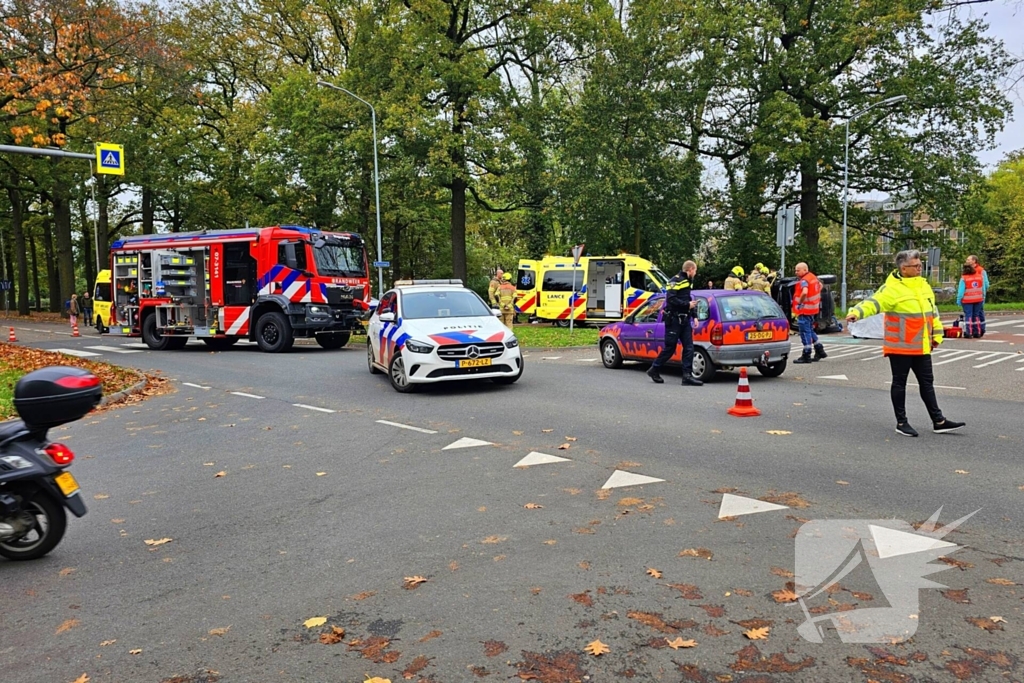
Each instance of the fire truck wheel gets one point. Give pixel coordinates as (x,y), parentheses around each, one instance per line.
(220,343)
(153,339)
(274,333)
(332,340)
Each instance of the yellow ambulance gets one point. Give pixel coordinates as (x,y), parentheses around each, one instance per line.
(101,298)
(601,289)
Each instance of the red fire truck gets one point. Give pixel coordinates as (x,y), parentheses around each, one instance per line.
(270,285)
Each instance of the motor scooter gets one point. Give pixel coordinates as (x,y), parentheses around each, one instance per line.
(35,486)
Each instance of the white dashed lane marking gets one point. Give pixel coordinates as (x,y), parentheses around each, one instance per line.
(197,386)
(316,408)
(242,393)
(402,426)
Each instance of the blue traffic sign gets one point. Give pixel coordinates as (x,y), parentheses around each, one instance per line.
(5,285)
(382,264)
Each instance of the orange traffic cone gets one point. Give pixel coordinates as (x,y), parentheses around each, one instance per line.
(744,404)
(11,337)
(74,330)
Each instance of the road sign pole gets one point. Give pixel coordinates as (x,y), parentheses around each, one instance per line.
(572,300)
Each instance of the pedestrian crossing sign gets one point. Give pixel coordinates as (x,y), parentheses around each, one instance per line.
(109,158)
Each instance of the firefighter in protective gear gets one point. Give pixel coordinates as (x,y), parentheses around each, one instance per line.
(507,300)
(492,288)
(806,305)
(679,306)
(912,330)
(735,280)
(757,281)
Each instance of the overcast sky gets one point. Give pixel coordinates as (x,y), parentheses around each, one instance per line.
(1006,22)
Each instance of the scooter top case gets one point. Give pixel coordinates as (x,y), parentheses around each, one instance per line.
(56,395)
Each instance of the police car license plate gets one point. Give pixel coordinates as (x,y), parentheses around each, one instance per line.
(66,483)
(760,336)
(473,363)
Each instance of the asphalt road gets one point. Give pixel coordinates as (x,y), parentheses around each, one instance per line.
(324,514)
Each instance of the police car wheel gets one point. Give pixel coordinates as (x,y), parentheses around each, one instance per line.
(369,359)
(610,355)
(399,379)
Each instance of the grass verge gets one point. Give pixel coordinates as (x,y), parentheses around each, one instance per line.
(550,337)
(15,361)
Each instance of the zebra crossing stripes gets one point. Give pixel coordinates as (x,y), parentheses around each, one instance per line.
(982,358)
(113,349)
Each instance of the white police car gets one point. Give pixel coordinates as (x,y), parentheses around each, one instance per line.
(436,331)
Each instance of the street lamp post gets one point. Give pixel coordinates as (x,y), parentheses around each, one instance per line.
(376,178)
(846,180)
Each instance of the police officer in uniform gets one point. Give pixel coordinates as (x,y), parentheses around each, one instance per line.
(678,309)
(507,300)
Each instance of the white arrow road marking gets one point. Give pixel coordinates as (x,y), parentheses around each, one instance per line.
(402,426)
(536,458)
(890,542)
(466,442)
(620,479)
(734,506)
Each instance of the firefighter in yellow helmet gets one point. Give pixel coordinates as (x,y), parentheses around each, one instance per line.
(507,300)
(758,280)
(735,280)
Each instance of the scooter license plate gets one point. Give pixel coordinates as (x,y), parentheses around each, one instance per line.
(473,363)
(66,483)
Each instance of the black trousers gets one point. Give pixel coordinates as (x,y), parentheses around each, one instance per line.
(922,366)
(677,328)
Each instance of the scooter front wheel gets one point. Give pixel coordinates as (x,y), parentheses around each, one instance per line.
(50,522)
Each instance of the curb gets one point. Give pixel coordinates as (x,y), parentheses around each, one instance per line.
(123,395)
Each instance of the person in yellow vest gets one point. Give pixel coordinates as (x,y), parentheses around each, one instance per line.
(757,279)
(735,279)
(492,288)
(507,300)
(806,305)
(912,329)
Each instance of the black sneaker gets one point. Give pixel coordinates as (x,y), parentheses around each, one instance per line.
(947,426)
(906,430)
(654,375)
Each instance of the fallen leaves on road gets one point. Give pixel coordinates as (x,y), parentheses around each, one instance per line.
(377,679)
(998,620)
(101,496)
(785,595)
(651,571)
(84,678)
(362,596)
(679,642)
(657,622)
(105,643)
(570,438)
(750,659)
(784,573)
(778,432)
(533,506)
(986,624)
(332,637)
(415,666)
(1001,582)
(373,648)
(66,571)
(787,498)
(842,483)
(758,633)
(697,552)
(573,492)
(453,566)
(713,611)
(430,636)
(688,591)
(219,631)
(597,648)
(516,433)
(320,474)
(961,471)
(67,625)
(565,447)
(491,540)
(493,648)
(959,564)
(959,596)
(744,592)
(313,622)
(412,582)
(583,598)
(137,651)
(754,623)
(222,473)
(547,431)
(156,542)
(562,666)
(630,502)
